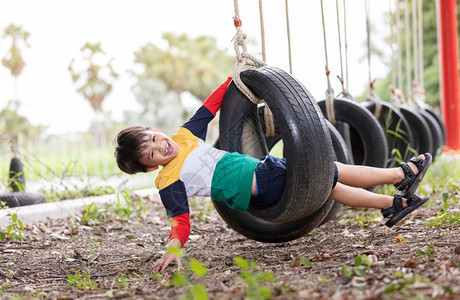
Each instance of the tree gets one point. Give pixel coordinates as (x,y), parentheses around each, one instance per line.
(194,65)
(94,82)
(13,58)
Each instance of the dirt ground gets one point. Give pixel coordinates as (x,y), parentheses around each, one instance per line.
(109,254)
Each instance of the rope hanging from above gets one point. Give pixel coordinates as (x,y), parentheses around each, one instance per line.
(345,92)
(371,95)
(330,113)
(288,36)
(243,60)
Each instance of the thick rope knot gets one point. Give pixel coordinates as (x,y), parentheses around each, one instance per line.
(345,92)
(237,21)
(243,61)
(373,97)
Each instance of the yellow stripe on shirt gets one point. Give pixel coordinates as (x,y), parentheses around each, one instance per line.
(171,172)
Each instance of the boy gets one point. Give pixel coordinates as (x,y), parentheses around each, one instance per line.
(193,168)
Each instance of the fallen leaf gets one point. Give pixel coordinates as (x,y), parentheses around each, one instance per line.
(413,262)
(457,250)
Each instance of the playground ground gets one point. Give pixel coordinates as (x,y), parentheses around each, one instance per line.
(108,253)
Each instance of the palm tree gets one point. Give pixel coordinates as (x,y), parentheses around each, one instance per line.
(13,58)
(93,82)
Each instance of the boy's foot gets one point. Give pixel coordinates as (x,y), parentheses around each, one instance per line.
(414,171)
(398,212)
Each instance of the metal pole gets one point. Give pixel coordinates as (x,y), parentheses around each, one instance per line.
(449,72)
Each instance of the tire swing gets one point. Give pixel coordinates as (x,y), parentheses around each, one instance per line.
(395,126)
(252,144)
(18,196)
(359,128)
(397,131)
(306,139)
(436,132)
(248,141)
(342,155)
(422,133)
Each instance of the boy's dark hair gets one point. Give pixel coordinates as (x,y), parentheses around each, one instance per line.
(129,144)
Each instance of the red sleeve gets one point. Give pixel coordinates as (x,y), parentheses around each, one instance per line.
(180,228)
(214,100)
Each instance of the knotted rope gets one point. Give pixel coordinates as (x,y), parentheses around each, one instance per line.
(243,60)
(330,113)
(345,92)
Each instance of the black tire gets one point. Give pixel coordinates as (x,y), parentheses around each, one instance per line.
(22,199)
(307,142)
(436,132)
(17,181)
(397,132)
(438,118)
(368,142)
(342,155)
(421,132)
(256,228)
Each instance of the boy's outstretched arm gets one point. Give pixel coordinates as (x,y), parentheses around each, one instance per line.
(214,101)
(198,124)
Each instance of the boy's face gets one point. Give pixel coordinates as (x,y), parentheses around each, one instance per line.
(160,150)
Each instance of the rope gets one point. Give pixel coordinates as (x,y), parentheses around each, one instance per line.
(330,114)
(262,30)
(394,99)
(243,60)
(345,92)
(419,91)
(408,54)
(420,42)
(288,36)
(346,42)
(398,35)
(415,42)
(371,95)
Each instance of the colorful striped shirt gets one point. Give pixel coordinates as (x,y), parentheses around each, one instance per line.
(202,170)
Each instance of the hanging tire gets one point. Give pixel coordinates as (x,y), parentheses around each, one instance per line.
(397,132)
(421,132)
(438,118)
(307,142)
(256,228)
(22,199)
(342,155)
(16,182)
(368,142)
(436,132)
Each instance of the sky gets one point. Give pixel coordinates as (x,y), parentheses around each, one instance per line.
(58,29)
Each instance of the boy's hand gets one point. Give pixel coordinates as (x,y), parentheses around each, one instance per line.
(170,256)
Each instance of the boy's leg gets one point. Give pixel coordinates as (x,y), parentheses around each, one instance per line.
(358,197)
(365,176)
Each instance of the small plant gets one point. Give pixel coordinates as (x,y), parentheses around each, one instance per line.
(361,267)
(366,220)
(402,285)
(81,281)
(445,217)
(14,230)
(192,291)
(254,278)
(429,251)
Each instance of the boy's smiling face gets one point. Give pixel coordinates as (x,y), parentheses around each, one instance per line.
(160,150)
